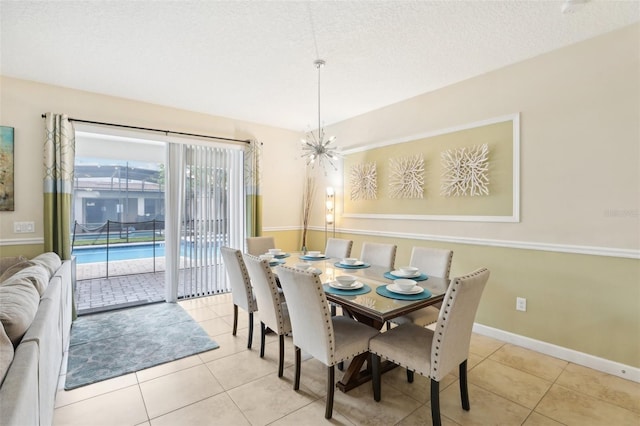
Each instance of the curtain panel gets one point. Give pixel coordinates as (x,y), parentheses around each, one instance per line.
(59,158)
(252,179)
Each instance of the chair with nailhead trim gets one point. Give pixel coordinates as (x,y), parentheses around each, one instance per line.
(338,248)
(435,263)
(273,308)
(379,254)
(328,339)
(435,353)
(241,289)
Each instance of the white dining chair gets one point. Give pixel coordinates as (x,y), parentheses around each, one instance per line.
(241,290)
(273,308)
(379,254)
(435,354)
(260,245)
(433,262)
(328,339)
(338,248)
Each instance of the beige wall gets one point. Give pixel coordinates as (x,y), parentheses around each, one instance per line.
(580,129)
(22,103)
(580,186)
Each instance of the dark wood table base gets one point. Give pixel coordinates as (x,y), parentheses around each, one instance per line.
(355,374)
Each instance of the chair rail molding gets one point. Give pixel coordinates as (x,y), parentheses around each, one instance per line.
(526,245)
(21,241)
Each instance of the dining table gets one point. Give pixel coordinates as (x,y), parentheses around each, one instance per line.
(370,301)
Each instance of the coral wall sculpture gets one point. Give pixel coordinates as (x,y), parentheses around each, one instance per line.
(406,178)
(465,171)
(364,181)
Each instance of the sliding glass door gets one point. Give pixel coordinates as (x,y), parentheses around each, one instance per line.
(151,213)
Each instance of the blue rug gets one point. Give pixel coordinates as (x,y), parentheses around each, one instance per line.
(110,344)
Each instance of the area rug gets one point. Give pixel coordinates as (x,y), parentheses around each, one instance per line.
(110,344)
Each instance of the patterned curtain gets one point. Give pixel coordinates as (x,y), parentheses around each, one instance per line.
(252,178)
(59,157)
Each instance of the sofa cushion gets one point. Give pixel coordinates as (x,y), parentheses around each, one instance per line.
(36,273)
(19,300)
(6,353)
(16,267)
(8,262)
(49,260)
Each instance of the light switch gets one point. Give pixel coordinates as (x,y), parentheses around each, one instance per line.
(24,227)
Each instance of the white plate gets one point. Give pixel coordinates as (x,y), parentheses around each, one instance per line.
(415,290)
(399,273)
(357,263)
(356,285)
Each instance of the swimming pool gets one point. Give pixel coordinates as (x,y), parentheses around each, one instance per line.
(89,254)
(93,254)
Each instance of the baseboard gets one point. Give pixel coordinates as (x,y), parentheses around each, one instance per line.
(580,358)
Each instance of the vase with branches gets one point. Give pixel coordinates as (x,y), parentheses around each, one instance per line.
(308,193)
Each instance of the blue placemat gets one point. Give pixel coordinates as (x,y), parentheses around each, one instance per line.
(382,291)
(277,262)
(390,276)
(282,256)
(363,290)
(340,265)
(303,257)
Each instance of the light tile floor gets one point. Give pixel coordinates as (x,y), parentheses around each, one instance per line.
(508,385)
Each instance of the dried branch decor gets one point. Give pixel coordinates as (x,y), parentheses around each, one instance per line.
(307,202)
(364,181)
(465,171)
(406,178)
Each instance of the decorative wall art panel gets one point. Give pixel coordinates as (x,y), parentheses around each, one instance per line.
(364,181)
(406,179)
(7,198)
(466,173)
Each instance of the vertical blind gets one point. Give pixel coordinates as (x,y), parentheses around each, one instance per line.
(208,213)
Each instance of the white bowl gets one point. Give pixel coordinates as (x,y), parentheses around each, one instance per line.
(313,253)
(345,280)
(349,260)
(275,251)
(409,270)
(266,256)
(404,284)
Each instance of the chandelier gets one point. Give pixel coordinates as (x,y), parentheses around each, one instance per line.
(314,146)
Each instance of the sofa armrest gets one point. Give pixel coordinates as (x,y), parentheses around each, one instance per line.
(19,391)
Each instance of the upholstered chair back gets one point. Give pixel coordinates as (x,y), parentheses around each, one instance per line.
(379,254)
(450,345)
(432,261)
(241,290)
(269,299)
(338,248)
(309,311)
(260,245)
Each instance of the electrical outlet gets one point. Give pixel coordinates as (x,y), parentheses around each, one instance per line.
(521,304)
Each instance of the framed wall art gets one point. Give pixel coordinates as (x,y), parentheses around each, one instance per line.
(7,198)
(465,173)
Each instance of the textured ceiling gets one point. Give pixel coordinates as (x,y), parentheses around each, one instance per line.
(254,60)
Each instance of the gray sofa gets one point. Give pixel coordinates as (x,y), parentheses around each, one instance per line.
(36,311)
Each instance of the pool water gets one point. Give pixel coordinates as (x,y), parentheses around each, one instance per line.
(120,252)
